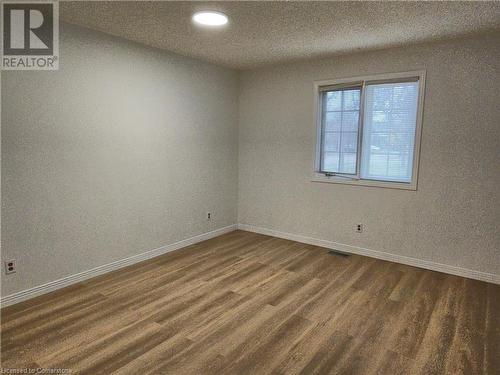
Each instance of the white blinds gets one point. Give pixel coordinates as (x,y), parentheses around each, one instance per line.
(390,112)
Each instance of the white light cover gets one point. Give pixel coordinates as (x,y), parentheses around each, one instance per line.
(210,18)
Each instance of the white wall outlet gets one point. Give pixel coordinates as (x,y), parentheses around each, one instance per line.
(359,228)
(10,266)
(209,216)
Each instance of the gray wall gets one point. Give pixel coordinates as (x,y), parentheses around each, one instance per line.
(126,148)
(121,151)
(451,219)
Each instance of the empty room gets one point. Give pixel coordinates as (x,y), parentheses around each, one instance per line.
(250,187)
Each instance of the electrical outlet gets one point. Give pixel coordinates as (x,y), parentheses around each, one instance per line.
(359,228)
(209,216)
(10,266)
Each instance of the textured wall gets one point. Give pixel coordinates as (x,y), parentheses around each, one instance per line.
(122,150)
(125,148)
(453,216)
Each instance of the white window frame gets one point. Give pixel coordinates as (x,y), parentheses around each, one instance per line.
(356,180)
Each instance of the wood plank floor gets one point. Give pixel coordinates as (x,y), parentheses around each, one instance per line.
(245,303)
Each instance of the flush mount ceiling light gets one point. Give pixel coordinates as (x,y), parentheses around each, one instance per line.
(210,18)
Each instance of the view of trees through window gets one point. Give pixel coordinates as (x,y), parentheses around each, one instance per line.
(340,136)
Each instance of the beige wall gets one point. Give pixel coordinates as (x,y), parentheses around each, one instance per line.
(453,216)
(121,151)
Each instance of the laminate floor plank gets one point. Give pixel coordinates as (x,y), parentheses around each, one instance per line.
(246,303)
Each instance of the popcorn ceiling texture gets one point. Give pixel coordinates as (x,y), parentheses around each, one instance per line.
(268,32)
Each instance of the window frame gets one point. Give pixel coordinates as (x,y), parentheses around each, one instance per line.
(338,178)
(329,88)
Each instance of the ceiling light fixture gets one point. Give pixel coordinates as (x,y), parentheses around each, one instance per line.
(210,18)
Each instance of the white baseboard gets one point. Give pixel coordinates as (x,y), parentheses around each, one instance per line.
(72,279)
(458,271)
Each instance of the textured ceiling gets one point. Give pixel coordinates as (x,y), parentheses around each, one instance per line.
(262,33)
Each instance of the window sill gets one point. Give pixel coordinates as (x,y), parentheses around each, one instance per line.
(318,177)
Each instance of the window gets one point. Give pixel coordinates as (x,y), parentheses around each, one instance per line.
(340,129)
(369,130)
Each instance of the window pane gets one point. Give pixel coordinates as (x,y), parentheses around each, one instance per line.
(349,142)
(390,115)
(348,162)
(333,121)
(332,141)
(330,161)
(340,130)
(334,100)
(351,99)
(350,121)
